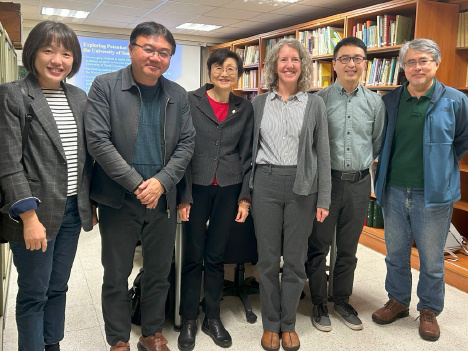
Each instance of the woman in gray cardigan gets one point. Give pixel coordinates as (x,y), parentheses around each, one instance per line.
(218,180)
(291,184)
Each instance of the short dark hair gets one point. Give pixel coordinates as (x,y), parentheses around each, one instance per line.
(152,29)
(43,34)
(350,41)
(220,55)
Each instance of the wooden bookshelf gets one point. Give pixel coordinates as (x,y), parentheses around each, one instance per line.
(425,16)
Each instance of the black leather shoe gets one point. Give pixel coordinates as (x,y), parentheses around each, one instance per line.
(52,347)
(188,331)
(215,329)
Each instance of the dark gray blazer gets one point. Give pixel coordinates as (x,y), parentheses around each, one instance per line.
(222,149)
(43,172)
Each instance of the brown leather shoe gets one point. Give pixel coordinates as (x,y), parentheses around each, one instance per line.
(290,341)
(121,346)
(270,341)
(428,327)
(156,342)
(390,312)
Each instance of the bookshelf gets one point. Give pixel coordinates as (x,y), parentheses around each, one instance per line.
(424,16)
(8,72)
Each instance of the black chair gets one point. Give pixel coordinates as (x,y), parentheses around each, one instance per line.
(241,249)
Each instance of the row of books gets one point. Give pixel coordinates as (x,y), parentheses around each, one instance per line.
(386,30)
(321,41)
(381,72)
(269,43)
(250,95)
(249,55)
(374,215)
(248,80)
(462,33)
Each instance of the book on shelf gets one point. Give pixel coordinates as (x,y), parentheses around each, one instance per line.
(387,29)
(321,74)
(403,29)
(241,53)
(250,95)
(462,31)
(383,31)
(381,72)
(248,80)
(269,43)
(321,41)
(251,55)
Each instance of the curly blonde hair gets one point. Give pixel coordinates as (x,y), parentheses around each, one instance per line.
(271,63)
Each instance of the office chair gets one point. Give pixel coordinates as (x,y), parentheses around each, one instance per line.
(241,249)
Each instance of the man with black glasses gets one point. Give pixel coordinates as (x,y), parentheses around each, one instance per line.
(139,130)
(355,123)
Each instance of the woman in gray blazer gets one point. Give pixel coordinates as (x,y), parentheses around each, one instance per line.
(45,186)
(216,182)
(291,184)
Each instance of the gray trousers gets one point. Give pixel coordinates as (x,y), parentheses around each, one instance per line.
(283,222)
(120,230)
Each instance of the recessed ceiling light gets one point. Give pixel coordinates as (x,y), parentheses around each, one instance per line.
(50,11)
(198,26)
(287,0)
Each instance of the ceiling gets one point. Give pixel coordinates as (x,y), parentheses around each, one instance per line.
(239,18)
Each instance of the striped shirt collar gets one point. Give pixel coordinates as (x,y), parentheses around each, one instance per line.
(342,91)
(300,96)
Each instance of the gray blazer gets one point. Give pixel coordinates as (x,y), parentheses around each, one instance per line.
(313,157)
(222,149)
(41,171)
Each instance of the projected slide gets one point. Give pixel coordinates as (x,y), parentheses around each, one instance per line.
(102,55)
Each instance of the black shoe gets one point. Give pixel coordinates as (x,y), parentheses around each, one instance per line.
(52,347)
(188,331)
(215,329)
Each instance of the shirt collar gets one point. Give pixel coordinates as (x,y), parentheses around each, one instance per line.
(300,96)
(342,91)
(406,96)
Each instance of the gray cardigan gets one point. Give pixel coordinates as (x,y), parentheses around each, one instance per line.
(313,158)
(222,149)
(41,170)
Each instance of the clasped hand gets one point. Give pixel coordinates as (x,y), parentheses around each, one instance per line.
(149,192)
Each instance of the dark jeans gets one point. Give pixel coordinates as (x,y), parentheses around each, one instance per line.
(42,284)
(206,246)
(348,209)
(120,231)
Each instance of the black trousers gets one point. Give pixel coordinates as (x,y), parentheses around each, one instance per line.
(348,210)
(120,230)
(205,246)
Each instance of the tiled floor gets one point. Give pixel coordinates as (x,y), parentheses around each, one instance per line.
(85,330)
